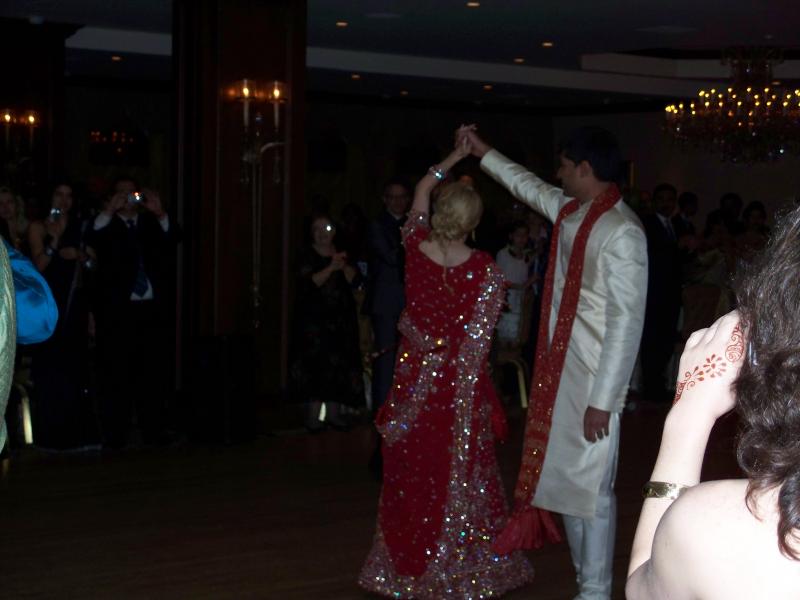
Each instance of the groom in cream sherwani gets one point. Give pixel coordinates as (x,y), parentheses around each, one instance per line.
(579,468)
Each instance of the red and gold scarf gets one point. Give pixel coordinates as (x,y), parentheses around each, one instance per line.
(529,526)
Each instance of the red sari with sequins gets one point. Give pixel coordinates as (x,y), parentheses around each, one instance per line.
(442,502)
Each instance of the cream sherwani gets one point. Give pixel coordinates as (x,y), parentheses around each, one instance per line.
(604,341)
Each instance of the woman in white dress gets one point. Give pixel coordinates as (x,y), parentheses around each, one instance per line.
(515,261)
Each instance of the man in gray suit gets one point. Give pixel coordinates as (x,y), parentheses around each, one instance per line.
(385,295)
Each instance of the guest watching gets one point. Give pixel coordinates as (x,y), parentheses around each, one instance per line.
(756,232)
(135,240)
(385,295)
(515,261)
(682,222)
(730,207)
(735,539)
(13,224)
(663,292)
(326,367)
(62,413)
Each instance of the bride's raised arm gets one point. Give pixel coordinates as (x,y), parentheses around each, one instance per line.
(436,174)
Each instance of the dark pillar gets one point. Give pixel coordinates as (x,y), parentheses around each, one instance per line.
(218,42)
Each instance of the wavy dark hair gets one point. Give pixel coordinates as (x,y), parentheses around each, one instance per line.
(768,386)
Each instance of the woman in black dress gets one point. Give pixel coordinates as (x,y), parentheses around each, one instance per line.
(62,412)
(327,361)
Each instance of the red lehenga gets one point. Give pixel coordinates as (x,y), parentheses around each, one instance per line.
(442,503)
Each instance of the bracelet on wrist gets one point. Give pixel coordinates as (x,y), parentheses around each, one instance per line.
(663,489)
(437,172)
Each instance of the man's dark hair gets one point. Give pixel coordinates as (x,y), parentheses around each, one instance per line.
(55,183)
(664,187)
(395,181)
(768,385)
(519,224)
(754,206)
(728,198)
(119,179)
(596,146)
(688,199)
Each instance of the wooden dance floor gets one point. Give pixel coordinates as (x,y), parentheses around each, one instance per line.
(287,517)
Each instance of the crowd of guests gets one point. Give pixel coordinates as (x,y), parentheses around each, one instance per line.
(104,375)
(690,273)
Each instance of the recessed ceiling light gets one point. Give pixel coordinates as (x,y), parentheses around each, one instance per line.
(519,60)
(116,58)
(487,87)
(384,15)
(355,76)
(667,29)
(404,92)
(473,4)
(547,44)
(342,23)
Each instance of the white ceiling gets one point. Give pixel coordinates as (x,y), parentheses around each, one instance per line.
(442,48)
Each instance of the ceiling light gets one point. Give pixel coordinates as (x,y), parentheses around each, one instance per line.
(473,4)
(519,60)
(487,87)
(116,58)
(355,76)
(547,44)
(738,122)
(342,23)
(404,92)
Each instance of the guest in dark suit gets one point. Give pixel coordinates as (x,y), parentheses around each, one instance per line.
(385,295)
(682,222)
(663,292)
(135,241)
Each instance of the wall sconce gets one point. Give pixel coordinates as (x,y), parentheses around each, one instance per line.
(12,119)
(31,120)
(253,96)
(8,118)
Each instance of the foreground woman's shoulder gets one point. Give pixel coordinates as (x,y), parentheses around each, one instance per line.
(721,548)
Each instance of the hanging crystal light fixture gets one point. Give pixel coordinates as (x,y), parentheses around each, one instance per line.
(749,120)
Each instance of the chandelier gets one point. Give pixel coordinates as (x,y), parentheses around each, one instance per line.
(751,119)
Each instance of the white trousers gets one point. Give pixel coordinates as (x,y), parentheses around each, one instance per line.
(591,541)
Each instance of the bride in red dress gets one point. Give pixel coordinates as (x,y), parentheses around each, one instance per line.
(442,503)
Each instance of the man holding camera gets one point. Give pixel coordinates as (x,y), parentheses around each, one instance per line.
(134,306)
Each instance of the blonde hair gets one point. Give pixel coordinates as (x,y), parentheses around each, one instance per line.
(456,212)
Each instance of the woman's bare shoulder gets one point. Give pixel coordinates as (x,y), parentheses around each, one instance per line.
(724,549)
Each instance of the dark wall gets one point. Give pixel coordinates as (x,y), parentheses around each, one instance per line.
(146,113)
(353,148)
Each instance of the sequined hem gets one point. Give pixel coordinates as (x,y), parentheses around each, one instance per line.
(491,579)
